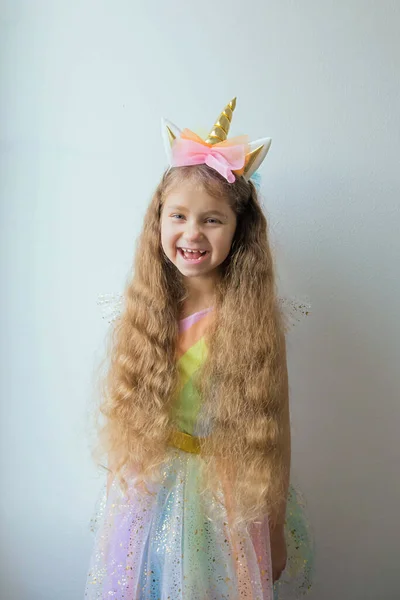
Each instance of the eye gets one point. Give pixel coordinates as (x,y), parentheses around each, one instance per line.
(212,219)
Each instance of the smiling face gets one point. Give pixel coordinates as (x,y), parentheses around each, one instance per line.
(191,219)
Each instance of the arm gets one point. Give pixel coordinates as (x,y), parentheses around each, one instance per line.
(286,431)
(278,544)
(110,479)
(111,471)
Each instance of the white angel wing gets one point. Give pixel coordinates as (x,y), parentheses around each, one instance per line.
(294,309)
(111,306)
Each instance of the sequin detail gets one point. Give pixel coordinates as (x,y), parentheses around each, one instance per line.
(175,543)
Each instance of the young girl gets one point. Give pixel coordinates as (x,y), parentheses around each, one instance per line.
(195,399)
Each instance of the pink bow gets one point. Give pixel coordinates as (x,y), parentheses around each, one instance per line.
(224,157)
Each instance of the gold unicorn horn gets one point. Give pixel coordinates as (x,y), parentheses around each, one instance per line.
(220,131)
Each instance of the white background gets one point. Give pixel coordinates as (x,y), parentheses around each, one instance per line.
(83,87)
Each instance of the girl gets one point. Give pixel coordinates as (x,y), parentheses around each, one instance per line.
(195,400)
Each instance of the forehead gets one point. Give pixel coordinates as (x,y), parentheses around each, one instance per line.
(193,196)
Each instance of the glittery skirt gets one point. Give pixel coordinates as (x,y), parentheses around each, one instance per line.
(175,544)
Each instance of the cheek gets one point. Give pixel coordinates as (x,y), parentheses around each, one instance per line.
(167,236)
(164,237)
(224,243)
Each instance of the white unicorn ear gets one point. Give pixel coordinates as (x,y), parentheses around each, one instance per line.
(169,133)
(254,158)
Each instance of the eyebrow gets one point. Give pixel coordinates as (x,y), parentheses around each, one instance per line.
(213,211)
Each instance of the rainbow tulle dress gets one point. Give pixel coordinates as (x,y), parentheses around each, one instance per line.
(174,544)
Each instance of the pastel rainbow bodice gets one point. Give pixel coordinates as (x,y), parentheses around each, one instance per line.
(191,353)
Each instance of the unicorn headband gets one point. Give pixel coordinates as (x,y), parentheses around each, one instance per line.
(236,156)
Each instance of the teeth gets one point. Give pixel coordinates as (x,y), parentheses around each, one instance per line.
(187,250)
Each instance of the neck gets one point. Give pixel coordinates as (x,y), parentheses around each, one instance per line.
(200,294)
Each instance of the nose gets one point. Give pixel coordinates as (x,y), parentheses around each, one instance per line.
(193,231)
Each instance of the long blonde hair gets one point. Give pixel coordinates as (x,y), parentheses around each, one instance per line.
(241,380)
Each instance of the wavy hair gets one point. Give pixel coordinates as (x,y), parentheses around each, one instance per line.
(243,379)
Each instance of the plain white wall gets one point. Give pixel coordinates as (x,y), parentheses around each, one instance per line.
(83,87)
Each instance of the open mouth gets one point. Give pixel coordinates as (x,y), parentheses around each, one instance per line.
(194,256)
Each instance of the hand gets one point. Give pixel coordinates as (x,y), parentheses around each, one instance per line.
(278,552)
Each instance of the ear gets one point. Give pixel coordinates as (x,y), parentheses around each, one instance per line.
(169,133)
(254,158)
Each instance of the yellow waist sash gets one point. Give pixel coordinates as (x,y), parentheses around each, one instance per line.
(185,441)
